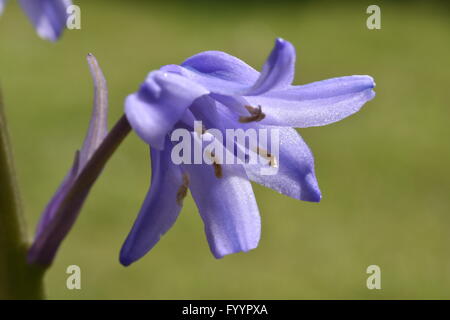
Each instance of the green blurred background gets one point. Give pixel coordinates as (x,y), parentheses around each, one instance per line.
(384,172)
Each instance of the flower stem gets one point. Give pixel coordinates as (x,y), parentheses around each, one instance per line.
(18,280)
(45,246)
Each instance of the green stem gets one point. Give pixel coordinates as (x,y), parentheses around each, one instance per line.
(18,280)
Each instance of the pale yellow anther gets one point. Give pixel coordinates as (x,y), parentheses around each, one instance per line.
(273,162)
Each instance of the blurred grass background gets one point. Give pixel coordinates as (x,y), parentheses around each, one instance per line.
(384,172)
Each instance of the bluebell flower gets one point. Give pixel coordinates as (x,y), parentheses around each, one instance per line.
(224,92)
(47,16)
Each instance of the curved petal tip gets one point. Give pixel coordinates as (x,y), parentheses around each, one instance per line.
(221,254)
(367,80)
(125,259)
(278,70)
(48,17)
(312,191)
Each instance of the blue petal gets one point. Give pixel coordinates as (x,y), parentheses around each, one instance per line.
(223,66)
(48,16)
(210,82)
(233,103)
(278,71)
(223,74)
(204,109)
(2,5)
(295,176)
(159,104)
(315,104)
(227,206)
(160,209)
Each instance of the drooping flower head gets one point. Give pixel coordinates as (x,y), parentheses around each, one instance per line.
(47,16)
(225,93)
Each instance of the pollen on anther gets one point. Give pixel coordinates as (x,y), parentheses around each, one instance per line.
(268,156)
(256,114)
(273,162)
(217,170)
(217,167)
(183,189)
(200,130)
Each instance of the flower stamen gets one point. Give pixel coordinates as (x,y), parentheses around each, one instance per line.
(217,167)
(217,170)
(200,130)
(273,162)
(183,189)
(256,114)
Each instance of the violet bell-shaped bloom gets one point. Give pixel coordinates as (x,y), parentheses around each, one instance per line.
(224,92)
(49,17)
